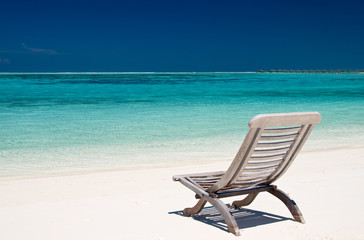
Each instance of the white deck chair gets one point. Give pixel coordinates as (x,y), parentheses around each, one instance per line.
(271,145)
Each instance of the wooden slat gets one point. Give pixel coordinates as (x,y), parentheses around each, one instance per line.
(261,168)
(282,130)
(205,186)
(251,178)
(205,178)
(284,119)
(270,151)
(278,137)
(202,175)
(263,163)
(274,144)
(240,186)
(251,175)
(206,181)
(251,181)
(266,157)
(206,175)
(243,185)
(255,178)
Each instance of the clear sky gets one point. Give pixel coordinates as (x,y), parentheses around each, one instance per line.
(156,35)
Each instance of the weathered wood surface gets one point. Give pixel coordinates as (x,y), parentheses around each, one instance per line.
(195,209)
(274,144)
(278,137)
(271,151)
(291,205)
(245,202)
(282,130)
(259,158)
(284,119)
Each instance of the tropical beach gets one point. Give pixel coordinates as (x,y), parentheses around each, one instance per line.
(181,120)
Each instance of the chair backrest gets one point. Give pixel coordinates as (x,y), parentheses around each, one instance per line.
(272,143)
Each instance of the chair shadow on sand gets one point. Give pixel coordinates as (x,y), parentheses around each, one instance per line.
(245,218)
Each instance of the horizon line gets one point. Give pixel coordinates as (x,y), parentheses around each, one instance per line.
(197,72)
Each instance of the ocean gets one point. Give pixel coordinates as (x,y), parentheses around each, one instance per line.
(61,123)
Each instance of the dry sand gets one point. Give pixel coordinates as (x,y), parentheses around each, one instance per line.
(139,204)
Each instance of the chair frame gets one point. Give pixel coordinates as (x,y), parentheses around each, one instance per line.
(269,148)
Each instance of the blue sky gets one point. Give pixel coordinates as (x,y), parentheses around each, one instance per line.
(231,35)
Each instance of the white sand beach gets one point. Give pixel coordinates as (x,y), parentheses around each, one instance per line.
(140,204)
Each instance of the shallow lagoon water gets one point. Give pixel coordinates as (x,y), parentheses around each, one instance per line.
(61,123)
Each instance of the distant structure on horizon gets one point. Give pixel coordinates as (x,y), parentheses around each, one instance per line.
(315,71)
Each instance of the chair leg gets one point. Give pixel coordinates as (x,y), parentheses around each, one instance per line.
(225,213)
(245,202)
(195,209)
(292,206)
(221,207)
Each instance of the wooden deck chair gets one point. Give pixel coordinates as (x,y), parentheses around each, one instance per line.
(269,148)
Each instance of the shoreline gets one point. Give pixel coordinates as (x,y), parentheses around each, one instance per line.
(164,165)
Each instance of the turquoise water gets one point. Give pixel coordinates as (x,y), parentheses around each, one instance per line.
(60,123)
